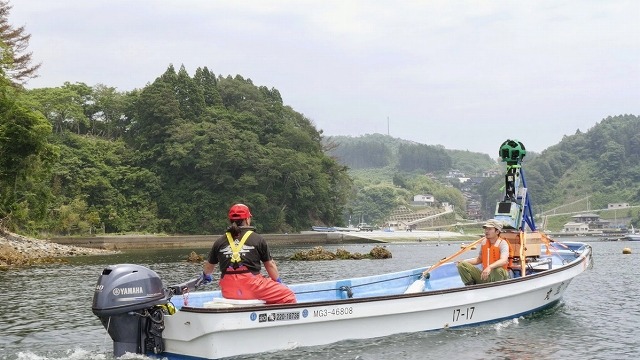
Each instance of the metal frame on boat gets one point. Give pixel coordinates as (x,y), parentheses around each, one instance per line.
(142,316)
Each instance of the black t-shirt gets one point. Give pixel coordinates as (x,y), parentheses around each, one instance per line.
(253,251)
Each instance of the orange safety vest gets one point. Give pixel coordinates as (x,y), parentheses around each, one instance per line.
(491,254)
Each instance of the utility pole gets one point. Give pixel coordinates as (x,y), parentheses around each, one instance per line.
(388,126)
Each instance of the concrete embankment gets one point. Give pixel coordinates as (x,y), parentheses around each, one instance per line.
(120,242)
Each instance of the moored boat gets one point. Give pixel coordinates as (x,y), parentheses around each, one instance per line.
(324,228)
(142,316)
(632,237)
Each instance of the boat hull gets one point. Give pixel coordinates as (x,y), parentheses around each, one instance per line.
(207,333)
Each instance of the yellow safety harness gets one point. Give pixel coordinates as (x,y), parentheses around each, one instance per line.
(235,249)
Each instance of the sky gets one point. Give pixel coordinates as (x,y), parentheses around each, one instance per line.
(466,75)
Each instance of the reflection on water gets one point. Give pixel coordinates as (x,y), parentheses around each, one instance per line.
(46,312)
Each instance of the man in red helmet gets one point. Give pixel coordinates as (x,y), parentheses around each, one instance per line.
(239,253)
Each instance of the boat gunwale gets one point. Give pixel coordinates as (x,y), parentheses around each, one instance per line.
(252,308)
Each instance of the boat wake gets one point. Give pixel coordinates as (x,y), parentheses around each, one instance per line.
(76,354)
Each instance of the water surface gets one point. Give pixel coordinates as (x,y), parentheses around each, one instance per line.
(46,311)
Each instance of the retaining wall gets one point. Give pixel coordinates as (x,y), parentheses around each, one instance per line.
(201,241)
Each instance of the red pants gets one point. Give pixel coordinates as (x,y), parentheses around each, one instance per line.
(248,286)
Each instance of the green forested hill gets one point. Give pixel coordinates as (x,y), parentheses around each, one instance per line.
(602,163)
(171,157)
(389,172)
(380,151)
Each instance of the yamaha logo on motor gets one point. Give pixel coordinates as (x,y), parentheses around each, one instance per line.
(128,291)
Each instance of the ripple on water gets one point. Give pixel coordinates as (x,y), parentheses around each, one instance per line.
(46,312)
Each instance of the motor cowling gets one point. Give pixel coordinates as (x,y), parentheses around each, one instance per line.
(131,302)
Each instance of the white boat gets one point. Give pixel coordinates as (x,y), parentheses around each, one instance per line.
(323,228)
(633,235)
(132,305)
(142,316)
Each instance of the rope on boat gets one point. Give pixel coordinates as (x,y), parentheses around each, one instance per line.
(549,241)
(348,288)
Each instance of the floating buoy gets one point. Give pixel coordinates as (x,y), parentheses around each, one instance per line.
(626,251)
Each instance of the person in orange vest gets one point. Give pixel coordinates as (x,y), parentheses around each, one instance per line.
(239,253)
(493,255)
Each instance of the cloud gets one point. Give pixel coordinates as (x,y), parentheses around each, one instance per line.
(465,74)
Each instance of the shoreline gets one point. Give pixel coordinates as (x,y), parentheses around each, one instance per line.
(120,242)
(18,250)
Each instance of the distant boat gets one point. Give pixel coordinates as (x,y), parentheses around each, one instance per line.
(633,235)
(334,228)
(323,228)
(366,227)
(346,229)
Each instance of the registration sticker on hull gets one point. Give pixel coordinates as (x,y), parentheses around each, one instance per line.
(276,316)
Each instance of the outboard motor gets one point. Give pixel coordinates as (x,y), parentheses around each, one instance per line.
(131,303)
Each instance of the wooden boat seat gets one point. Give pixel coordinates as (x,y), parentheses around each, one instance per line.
(223,302)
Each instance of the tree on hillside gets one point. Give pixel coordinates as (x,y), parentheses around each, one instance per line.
(62,106)
(212,142)
(422,157)
(190,95)
(373,204)
(24,157)
(95,180)
(109,116)
(156,111)
(208,82)
(15,61)
(363,154)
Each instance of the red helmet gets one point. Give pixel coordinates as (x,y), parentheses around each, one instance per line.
(239,212)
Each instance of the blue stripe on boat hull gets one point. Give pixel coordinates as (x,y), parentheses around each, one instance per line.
(551,304)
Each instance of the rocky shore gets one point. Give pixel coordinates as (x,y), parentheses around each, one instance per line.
(17,250)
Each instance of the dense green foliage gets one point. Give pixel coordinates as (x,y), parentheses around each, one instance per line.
(170,157)
(25,158)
